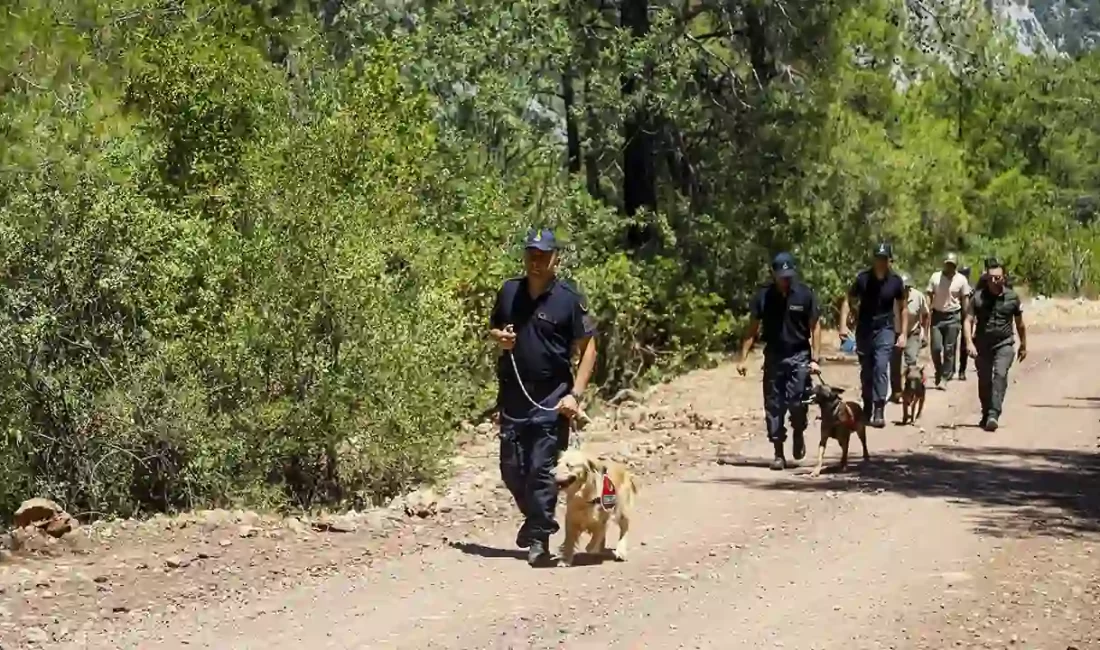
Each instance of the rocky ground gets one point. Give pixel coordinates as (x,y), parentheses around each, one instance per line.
(952,537)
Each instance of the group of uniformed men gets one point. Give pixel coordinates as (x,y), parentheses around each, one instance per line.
(542,322)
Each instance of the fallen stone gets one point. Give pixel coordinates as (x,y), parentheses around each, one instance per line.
(36,635)
(335,525)
(422,503)
(246,532)
(35,511)
(60,525)
(176,562)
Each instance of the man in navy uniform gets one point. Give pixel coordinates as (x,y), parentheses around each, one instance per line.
(540,321)
(787,311)
(882,324)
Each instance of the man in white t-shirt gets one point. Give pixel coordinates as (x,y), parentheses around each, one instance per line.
(919,322)
(948,292)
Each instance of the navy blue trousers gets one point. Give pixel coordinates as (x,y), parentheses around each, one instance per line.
(785,380)
(528,452)
(874,349)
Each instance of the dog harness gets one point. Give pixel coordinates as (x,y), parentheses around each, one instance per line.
(844,415)
(609,496)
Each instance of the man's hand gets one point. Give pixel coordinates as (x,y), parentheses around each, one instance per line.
(1021,353)
(901,341)
(505,338)
(568,406)
(741,368)
(844,333)
(815,368)
(970,350)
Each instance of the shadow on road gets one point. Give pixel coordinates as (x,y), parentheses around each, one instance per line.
(1021,492)
(489,552)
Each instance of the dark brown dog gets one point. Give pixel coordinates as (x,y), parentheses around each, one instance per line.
(839,420)
(912,394)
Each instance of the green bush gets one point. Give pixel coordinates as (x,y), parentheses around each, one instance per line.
(248,250)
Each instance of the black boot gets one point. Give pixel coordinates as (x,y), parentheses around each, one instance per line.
(991,423)
(537,555)
(779,463)
(799,445)
(878,417)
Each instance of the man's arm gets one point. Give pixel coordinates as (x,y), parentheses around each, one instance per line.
(969,323)
(498,331)
(926,319)
(815,340)
(845,309)
(846,306)
(747,341)
(815,328)
(1021,331)
(585,350)
(584,343)
(901,312)
(756,312)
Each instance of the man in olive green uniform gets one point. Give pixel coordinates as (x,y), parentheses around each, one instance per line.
(993,313)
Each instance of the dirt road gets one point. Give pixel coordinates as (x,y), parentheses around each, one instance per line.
(950,537)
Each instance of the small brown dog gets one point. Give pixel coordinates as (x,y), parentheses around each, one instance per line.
(839,420)
(595,491)
(912,394)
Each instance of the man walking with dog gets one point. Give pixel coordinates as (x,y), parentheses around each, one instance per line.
(948,291)
(882,323)
(993,313)
(917,307)
(785,313)
(540,322)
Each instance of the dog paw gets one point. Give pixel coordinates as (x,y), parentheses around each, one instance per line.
(564,562)
(618,556)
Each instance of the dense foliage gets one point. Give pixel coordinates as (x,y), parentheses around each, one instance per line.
(248,249)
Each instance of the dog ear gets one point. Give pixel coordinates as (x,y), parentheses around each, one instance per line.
(838,391)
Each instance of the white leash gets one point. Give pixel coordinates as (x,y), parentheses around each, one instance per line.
(575,422)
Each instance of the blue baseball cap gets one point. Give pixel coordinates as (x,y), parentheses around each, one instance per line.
(541,239)
(783,266)
(884,250)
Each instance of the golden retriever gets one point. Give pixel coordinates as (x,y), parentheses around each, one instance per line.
(580,477)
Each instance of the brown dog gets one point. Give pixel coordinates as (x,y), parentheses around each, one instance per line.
(912,394)
(839,420)
(595,491)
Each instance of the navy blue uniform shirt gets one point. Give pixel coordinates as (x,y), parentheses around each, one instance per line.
(786,322)
(546,328)
(876,299)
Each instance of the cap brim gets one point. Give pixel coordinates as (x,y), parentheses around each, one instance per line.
(545,247)
(786,273)
(951,262)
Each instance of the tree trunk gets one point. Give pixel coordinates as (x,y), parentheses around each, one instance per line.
(572,136)
(639,182)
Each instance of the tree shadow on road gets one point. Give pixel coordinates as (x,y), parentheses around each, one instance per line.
(1020,492)
(1080,403)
